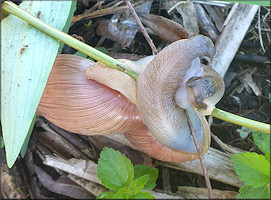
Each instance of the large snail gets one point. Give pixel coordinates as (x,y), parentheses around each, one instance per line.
(89,98)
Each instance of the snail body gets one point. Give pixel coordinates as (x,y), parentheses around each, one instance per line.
(149,111)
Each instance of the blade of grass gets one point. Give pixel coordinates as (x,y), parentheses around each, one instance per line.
(67,39)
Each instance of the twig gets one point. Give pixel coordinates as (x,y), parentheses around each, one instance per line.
(248,58)
(259,28)
(207,180)
(232,36)
(139,23)
(226,147)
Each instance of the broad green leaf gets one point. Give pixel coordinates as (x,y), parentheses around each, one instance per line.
(252,168)
(262,140)
(122,194)
(114,169)
(24,147)
(27,56)
(249,192)
(138,184)
(143,195)
(106,195)
(258,2)
(141,170)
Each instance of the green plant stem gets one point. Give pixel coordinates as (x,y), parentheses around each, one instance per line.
(235,119)
(113,63)
(67,39)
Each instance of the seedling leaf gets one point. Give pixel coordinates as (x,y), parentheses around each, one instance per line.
(249,192)
(262,140)
(138,184)
(122,194)
(143,195)
(106,195)
(252,168)
(114,169)
(141,170)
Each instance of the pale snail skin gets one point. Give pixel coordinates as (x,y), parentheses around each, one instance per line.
(166,119)
(135,92)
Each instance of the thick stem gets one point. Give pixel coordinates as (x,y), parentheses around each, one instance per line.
(113,63)
(235,119)
(67,39)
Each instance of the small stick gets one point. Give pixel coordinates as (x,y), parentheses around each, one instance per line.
(139,23)
(207,180)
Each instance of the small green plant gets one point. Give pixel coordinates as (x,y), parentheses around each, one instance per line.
(254,169)
(124,180)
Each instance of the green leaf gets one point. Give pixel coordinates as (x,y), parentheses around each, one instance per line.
(141,170)
(138,184)
(267,156)
(262,140)
(89,23)
(1,142)
(143,195)
(249,192)
(244,131)
(101,49)
(106,195)
(68,23)
(122,194)
(252,168)
(24,147)
(259,2)
(114,169)
(79,53)
(26,60)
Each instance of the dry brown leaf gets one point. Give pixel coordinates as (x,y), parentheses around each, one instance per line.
(247,80)
(166,29)
(189,15)
(206,24)
(66,189)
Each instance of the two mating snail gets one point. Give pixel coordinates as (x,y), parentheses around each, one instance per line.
(91,99)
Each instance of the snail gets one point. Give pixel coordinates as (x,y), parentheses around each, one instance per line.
(91,99)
